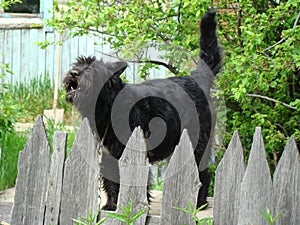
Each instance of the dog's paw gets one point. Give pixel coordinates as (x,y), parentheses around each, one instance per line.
(109,207)
(202,204)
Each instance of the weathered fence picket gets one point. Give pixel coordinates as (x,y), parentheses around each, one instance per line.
(181,184)
(257,192)
(286,183)
(81,177)
(229,175)
(256,186)
(61,191)
(134,173)
(31,185)
(56,178)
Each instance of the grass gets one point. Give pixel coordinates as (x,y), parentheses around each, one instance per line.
(36,96)
(12,144)
(268,216)
(31,98)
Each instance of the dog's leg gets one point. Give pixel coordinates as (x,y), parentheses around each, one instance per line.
(112,190)
(203,192)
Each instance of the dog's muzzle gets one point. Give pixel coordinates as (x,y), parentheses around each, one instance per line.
(71,85)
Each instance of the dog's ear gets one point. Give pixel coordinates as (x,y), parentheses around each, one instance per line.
(117,67)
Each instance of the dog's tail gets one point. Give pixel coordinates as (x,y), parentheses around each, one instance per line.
(210,51)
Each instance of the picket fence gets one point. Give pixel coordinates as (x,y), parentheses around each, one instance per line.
(53,191)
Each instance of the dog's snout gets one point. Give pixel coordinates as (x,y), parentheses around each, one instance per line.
(74,73)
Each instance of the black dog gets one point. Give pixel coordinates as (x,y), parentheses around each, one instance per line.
(115,109)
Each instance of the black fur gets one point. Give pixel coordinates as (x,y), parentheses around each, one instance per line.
(94,86)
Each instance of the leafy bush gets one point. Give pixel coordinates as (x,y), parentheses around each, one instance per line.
(261,75)
(9,111)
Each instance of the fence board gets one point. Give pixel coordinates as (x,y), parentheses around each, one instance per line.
(15,66)
(8,54)
(32,178)
(50,62)
(256,187)
(181,184)
(286,183)
(134,171)
(25,55)
(55,179)
(80,185)
(229,175)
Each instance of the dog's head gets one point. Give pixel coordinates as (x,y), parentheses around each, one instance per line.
(87,76)
(73,76)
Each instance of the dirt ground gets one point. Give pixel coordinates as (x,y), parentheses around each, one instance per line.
(7,199)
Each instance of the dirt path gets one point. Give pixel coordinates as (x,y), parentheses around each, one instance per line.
(7,199)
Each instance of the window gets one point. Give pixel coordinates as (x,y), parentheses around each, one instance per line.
(27,6)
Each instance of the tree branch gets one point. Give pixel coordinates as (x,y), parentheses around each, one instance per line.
(168,66)
(271,100)
(179,13)
(283,39)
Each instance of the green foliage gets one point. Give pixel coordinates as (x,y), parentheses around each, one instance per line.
(6,3)
(125,216)
(260,81)
(90,220)
(261,72)
(133,27)
(9,110)
(193,212)
(11,144)
(268,217)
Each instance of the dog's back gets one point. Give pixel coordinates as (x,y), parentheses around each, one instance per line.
(181,102)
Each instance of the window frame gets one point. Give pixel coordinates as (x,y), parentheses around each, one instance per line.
(4,14)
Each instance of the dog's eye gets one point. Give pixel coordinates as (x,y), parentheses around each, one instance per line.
(74,73)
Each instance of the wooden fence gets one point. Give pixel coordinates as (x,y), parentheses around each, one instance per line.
(19,49)
(240,193)
(57,190)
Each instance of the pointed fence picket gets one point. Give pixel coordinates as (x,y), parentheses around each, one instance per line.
(228,181)
(57,191)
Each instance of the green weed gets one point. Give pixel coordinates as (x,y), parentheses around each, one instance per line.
(125,215)
(268,217)
(90,220)
(193,212)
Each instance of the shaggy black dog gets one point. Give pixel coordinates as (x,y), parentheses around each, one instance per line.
(161,107)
